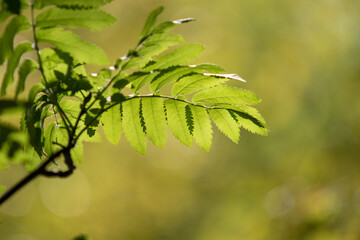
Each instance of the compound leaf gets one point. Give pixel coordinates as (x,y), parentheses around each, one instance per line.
(67,41)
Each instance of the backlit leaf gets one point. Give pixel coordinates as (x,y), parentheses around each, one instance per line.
(27,67)
(175,113)
(150,22)
(181,55)
(226,94)
(202,127)
(111,120)
(226,123)
(92,19)
(12,65)
(195,82)
(67,41)
(132,126)
(17,24)
(154,116)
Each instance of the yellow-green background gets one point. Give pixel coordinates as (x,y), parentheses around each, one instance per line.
(302,57)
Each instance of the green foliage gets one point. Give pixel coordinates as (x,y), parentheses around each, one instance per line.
(67,105)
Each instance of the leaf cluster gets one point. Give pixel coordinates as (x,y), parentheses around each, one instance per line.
(151,88)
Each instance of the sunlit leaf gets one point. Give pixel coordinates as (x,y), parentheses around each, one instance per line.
(92,19)
(226,94)
(175,113)
(226,123)
(27,67)
(111,120)
(150,22)
(17,24)
(12,65)
(202,127)
(154,116)
(181,55)
(132,125)
(67,41)
(195,82)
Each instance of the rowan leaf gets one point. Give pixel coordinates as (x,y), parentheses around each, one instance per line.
(179,56)
(226,94)
(225,123)
(154,117)
(17,24)
(111,120)
(150,22)
(66,41)
(12,65)
(175,113)
(49,138)
(132,125)
(92,19)
(26,68)
(195,82)
(174,73)
(202,132)
(71,3)
(154,45)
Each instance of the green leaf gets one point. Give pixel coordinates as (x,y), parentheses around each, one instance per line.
(225,123)
(71,108)
(143,80)
(77,152)
(181,55)
(248,118)
(67,41)
(92,19)
(150,22)
(175,113)
(132,126)
(195,82)
(49,138)
(154,116)
(71,3)
(17,24)
(173,74)
(111,120)
(36,89)
(226,94)
(12,65)
(27,67)
(168,25)
(202,127)
(154,45)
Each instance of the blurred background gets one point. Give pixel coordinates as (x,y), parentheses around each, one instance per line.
(300,182)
